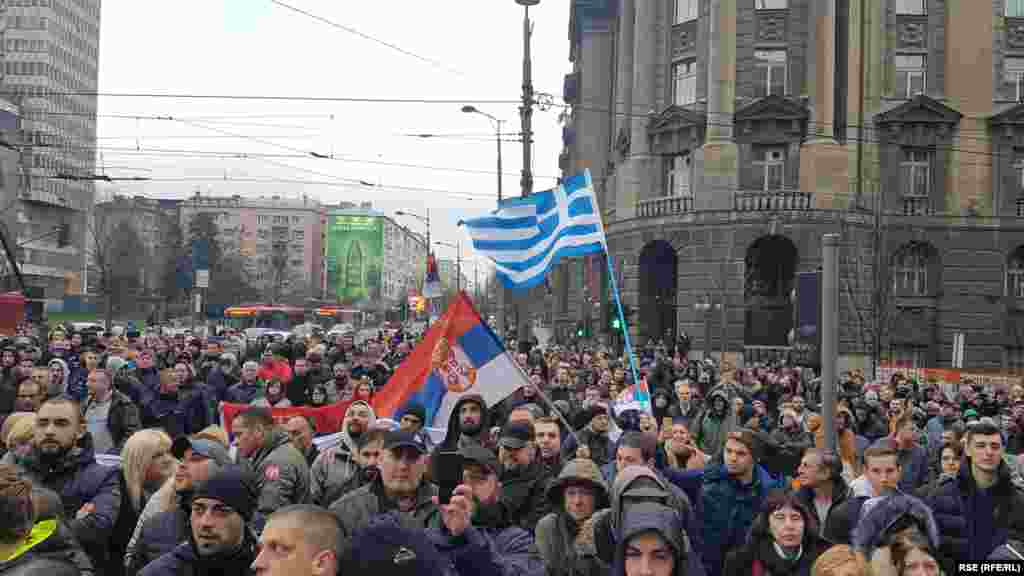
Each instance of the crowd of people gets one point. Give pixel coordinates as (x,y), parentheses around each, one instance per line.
(729,473)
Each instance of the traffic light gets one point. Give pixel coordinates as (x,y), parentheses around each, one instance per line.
(579,329)
(616,323)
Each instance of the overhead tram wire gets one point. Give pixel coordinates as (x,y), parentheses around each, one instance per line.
(350,30)
(268,98)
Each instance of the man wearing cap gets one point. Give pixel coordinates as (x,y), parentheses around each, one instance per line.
(400,488)
(473,531)
(221,540)
(524,482)
(158,532)
(593,437)
(282,469)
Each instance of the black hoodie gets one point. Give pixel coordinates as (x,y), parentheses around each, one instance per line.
(454,439)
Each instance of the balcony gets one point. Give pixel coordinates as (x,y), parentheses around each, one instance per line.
(917,206)
(772,201)
(664,206)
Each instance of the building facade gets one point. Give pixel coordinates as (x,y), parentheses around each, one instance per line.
(152,221)
(278,238)
(726,137)
(50,69)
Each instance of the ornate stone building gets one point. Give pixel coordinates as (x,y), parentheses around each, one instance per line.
(726,137)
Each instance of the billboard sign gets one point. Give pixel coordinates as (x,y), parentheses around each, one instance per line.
(355,250)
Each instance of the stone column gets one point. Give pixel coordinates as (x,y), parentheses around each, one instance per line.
(636,177)
(717,161)
(824,164)
(624,70)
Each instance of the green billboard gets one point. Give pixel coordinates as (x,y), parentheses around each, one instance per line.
(355,250)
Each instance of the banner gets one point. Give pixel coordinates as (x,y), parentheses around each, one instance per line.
(327,418)
(355,248)
(458,356)
(948,375)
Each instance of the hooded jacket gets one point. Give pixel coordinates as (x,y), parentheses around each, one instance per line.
(52,548)
(455,439)
(647,517)
(606,525)
(954,505)
(184,561)
(283,473)
(334,471)
(881,516)
(567,549)
(80,480)
(524,495)
(711,429)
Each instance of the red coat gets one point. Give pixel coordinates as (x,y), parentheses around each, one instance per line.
(278,369)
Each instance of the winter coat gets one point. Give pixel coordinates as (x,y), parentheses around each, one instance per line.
(245,393)
(648,516)
(122,418)
(566,548)
(491,547)
(914,463)
(953,505)
(602,450)
(80,480)
(728,510)
(525,496)
(331,473)
(184,561)
(741,562)
(843,518)
(58,388)
(880,514)
(51,550)
(283,473)
(710,431)
(840,492)
(606,524)
(454,438)
(355,509)
(181,413)
(159,535)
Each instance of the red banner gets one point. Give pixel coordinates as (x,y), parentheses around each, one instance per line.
(327,418)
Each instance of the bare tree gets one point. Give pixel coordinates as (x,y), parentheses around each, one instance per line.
(116,257)
(275,271)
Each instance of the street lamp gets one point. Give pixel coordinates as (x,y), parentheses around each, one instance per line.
(497,122)
(458,261)
(424,219)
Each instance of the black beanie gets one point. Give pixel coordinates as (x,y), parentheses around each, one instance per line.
(418,411)
(233,485)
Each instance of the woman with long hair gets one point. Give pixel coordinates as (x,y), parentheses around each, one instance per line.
(912,555)
(146,463)
(783,540)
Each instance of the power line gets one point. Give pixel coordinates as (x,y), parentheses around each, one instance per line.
(364,36)
(183,96)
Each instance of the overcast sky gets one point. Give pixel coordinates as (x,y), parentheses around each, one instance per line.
(259,48)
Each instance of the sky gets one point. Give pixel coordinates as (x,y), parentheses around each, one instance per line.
(462,51)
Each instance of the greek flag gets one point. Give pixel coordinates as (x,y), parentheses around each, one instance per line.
(525,237)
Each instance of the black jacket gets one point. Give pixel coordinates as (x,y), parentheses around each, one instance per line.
(525,496)
(122,419)
(54,553)
(840,493)
(184,561)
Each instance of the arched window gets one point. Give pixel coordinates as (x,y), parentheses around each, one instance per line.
(910,270)
(1015,274)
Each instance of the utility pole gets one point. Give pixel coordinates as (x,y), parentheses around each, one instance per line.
(829,335)
(526,116)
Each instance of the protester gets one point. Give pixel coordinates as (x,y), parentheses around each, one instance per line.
(651,542)
(301,430)
(110,416)
(783,540)
(299,540)
(524,482)
(564,545)
(221,538)
(283,475)
(146,464)
(822,487)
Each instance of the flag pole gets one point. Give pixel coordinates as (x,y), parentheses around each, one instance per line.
(615,290)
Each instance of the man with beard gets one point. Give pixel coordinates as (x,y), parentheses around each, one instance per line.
(548,435)
(283,475)
(160,530)
(336,466)
(792,439)
(400,488)
(468,424)
(367,464)
(302,382)
(578,493)
(338,386)
(524,482)
(473,533)
(300,430)
(685,406)
(221,540)
(62,459)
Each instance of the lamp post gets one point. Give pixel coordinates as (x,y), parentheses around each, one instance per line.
(458,261)
(426,222)
(526,117)
(497,137)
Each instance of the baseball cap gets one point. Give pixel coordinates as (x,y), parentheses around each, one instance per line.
(207,448)
(401,439)
(476,454)
(516,435)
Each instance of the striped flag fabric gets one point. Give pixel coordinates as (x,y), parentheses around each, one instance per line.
(526,237)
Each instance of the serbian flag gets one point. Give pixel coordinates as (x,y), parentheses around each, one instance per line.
(432,283)
(459,355)
(635,397)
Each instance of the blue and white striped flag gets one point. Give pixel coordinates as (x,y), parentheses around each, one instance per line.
(525,237)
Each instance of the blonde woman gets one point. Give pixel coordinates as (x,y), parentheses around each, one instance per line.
(841,560)
(19,439)
(9,423)
(146,463)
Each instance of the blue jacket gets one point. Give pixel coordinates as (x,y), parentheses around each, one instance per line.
(158,536)
(915,469)
(186,412)
(953,505)
(242,393)
(729,509)
(80,480)
(493,551)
